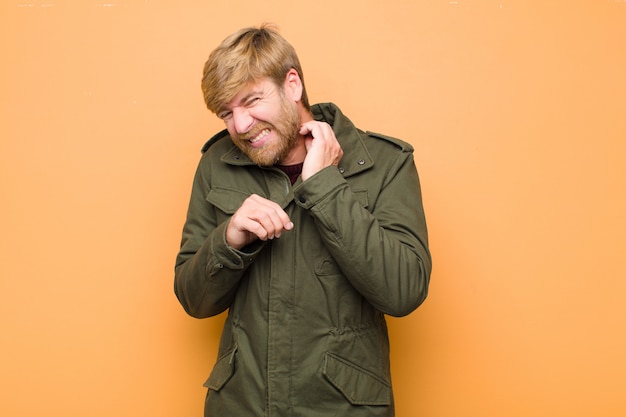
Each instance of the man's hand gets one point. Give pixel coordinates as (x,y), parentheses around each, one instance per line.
(322,147)
(257,218)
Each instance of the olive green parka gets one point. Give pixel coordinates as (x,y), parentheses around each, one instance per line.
(305,333)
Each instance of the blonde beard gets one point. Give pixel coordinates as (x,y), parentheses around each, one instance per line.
(287,131)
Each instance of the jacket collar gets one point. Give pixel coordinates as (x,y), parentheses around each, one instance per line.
(355,158)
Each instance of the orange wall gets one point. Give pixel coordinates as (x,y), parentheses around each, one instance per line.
(517,110)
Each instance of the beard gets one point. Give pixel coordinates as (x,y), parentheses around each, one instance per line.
(286,128)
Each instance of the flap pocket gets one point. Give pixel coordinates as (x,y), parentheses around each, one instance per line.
(225,199)
(327,267)
(358,385)
(222,371)
(362,197)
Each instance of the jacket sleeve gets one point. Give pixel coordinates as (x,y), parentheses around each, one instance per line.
(207,271)
(383,249)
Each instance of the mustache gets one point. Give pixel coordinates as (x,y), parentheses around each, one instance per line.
(254,132)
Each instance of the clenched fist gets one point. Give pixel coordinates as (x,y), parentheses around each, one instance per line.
(257,218)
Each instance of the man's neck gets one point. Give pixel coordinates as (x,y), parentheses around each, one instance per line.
(298,151)
(296,155)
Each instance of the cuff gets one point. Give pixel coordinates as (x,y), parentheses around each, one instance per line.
(318,187)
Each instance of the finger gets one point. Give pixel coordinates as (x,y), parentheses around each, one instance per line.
(318,130)
(269,222)
(305,128)
(271,216)
(311,127)
(314,129)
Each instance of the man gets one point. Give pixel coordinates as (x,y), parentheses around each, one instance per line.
(308,231)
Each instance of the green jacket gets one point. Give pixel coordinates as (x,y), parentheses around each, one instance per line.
(305,333)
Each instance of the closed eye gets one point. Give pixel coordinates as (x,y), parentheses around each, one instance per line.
(252,101)
(225,115)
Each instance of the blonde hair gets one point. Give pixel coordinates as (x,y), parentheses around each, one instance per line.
(248,55)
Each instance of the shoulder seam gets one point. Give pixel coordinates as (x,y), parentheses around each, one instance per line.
(404,146)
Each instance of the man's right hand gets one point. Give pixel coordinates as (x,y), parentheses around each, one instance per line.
(257,218)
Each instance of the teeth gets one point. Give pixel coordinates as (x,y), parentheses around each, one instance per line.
(260,136)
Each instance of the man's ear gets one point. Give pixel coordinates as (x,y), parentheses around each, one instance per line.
(293,85)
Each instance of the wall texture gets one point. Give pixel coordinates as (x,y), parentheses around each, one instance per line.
(517,111)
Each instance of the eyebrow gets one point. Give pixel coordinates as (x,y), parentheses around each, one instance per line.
(256,91)
(250,94)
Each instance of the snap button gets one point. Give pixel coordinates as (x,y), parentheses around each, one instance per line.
(302,199)
(342,170)
(361,161)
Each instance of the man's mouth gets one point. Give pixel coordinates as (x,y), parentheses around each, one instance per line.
(260,136)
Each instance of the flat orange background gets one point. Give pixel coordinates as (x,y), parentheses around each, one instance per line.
(517,111)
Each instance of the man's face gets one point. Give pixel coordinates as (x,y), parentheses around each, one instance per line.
(262,122)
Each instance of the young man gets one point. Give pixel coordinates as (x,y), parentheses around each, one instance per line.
(308,231)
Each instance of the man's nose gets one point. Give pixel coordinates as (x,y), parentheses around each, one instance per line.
(242,120)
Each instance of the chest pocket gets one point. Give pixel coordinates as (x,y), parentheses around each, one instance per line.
(362,197)
(226,201)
